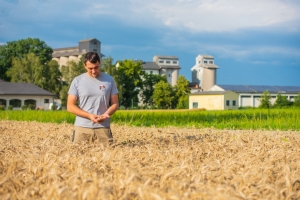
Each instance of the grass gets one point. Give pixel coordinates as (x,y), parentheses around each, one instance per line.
(274,119)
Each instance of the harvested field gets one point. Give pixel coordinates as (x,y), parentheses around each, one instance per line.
(39,161)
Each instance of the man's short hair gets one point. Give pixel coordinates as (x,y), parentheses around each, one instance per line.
(92,57)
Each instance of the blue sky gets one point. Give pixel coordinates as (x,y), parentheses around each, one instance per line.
(254,42)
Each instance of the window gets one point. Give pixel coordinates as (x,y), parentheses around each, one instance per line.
(95,50)
(227,103)
(151,72)
(161,61)
(3,102)
(199,62)
(174,62)
(211,62)
(16,103)
(46,100)
(95,43)
(233,102)
(169,75)
(168,62)
(195,104)
(205,62)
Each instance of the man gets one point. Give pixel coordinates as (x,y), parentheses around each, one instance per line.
(97,97)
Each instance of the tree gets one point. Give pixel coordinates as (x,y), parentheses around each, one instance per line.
(108,67)
(148,82)
(297,100)
(163,95)
(182,91)
(53,77)
(281,101)
(69,72)
(19,49)
(128,80)
(27,69)
(265,100)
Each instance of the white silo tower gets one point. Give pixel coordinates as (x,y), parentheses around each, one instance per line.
(204,72)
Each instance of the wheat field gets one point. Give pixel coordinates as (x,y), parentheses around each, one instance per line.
(39,161)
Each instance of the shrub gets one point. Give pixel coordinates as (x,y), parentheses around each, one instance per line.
(54,107)
(24,107)
(31,107)
(2,107)
(122,108)
(10,107)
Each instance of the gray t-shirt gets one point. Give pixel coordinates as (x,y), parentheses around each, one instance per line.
(93,96)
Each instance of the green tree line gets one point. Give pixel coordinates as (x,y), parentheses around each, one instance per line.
(280,102)
(30,60)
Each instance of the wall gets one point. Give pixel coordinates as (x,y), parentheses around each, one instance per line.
(209,102)
(39,100)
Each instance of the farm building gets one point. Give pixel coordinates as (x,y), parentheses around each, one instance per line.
(249,95)
(205,87)
(214,100)
(19,94)
(63,55)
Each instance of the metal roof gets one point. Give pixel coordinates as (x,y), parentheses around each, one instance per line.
(150,65)
(8,88)
(210,92)
(90,39)
(166,57)
(261,88)
(170,66)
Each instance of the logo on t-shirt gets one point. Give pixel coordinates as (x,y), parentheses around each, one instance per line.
(102,87)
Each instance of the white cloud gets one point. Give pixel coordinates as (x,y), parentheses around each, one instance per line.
(204,15)
(190,15)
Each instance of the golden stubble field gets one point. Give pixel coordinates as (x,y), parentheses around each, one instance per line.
(39,161)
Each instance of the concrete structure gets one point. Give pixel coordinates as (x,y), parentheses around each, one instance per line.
(219,100)
(164,65)
(63,55)
(204,72)
(19,94)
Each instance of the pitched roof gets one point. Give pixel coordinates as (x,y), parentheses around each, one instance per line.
(8,88)
(89,39)
(150,65)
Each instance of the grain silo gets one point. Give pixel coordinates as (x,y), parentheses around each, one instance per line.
(204,72)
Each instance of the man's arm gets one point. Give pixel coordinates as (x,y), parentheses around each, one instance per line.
(114,100)
(73,108)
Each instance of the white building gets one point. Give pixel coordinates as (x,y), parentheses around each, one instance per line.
(164,65)
(19,94)
(249,95)
(204,72)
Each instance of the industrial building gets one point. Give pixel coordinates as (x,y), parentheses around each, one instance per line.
(209,95)
(64,55)
(164,65)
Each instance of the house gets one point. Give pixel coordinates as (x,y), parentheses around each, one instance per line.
(63,55)
(214,100)
(19,94)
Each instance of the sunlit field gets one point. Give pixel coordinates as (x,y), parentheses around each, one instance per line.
(39,161)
